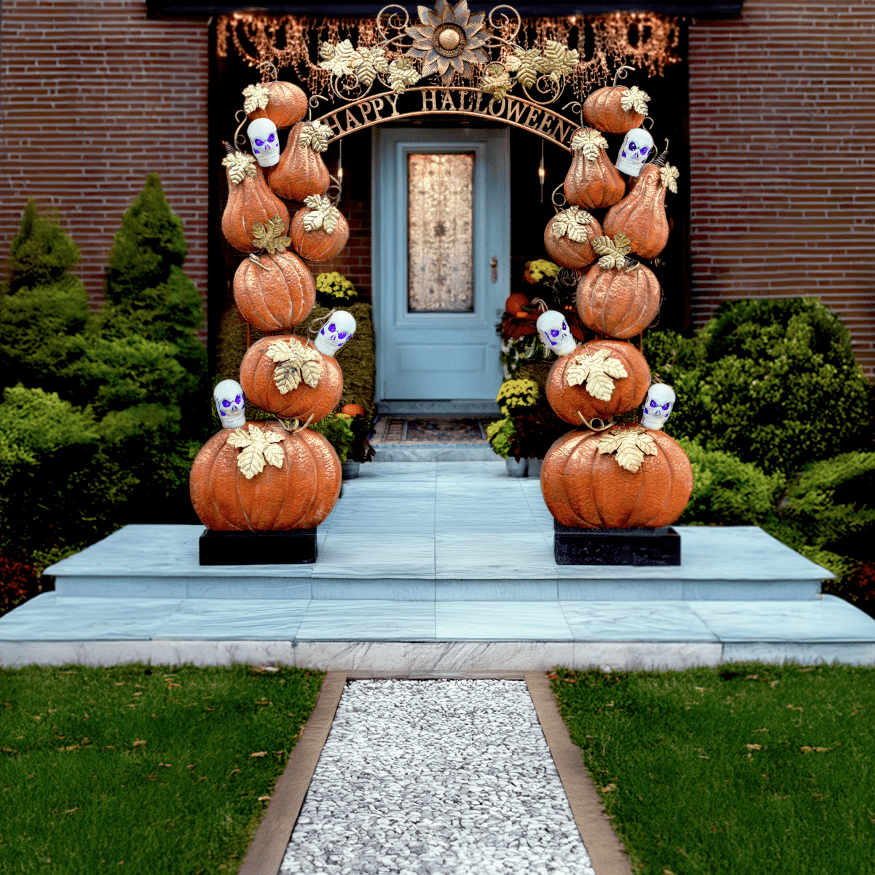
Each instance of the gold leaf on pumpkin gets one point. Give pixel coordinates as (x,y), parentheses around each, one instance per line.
(273,455)
(271,237)
(630,445)
(258,446)
(257,97)
(613,252)
(287,376)
(668,177)
(295,361)
(572,223)
(323,214)
(239,165)
(634,98)
(310,371)
(589,142)
(316,136)
(597,371)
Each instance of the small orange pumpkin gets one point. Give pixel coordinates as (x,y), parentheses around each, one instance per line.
(589,381)
(298,495)
(641,214)
(615,302)
(274,292)
(515,302)
(249,201)
(592,180)
(263,375)
(584,486)
(301,170)
(353,410)
(286,104)
(616,109)
(319,230)
(568,238)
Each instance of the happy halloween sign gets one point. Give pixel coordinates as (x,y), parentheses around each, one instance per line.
(449,101)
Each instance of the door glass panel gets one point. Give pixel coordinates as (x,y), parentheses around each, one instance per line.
(440,222)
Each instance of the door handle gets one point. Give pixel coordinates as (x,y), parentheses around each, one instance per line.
(494,265)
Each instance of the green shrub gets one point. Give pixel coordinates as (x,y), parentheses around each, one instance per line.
(500,434)
(336,427)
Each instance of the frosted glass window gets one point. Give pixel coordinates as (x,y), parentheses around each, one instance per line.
(440,223)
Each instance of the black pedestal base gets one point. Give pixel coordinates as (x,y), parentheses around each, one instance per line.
(574,546)
(292,547)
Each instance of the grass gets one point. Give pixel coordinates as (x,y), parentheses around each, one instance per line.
(743,768)
(141,768)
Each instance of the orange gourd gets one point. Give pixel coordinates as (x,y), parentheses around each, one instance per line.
(258,376)
(274,292)
(558,238)
(286,105)
(323,242)
(249,201)
(641,214)
(586,488)
(353,410)
(298,495)
(588,381)
(515,302)
(615,109)
(592,180)
(616,302)
(301,170)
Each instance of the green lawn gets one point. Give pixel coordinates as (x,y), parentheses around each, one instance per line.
(742,769)
(142,769)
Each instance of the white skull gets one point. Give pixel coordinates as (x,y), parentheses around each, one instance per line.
(335,332)
(230,404)
(657,405)
(634,151)
(554,331)
(265,142)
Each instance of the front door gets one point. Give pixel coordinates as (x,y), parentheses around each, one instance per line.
(441,241)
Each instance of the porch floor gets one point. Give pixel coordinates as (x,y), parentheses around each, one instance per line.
(436,568)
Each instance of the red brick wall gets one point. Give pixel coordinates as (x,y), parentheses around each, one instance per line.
(782,156)
(95,97)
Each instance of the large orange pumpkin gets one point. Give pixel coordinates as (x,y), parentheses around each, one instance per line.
(300,171)
(274,293)
(286,105)
(606,109)
(596,365)
(298,495)
(257,376)
(318,244)
(618,303)
(592,180)
(559,245)
(641,214)
(586,488)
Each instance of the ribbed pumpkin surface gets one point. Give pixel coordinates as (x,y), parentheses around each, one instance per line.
(300,171)
(586,489)
(286,106)
(593,183)
(641,215)
(617,303)
(627,394)
(566,252)
(250,201)
(256,377)
(603,111)
(317,245)
(300,495)
(278,295)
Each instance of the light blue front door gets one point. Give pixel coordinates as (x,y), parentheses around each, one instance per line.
(441,241)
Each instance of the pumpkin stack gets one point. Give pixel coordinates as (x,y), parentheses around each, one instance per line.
(276,476)
(611,474)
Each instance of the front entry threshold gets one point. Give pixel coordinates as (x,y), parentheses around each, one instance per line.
(440,407)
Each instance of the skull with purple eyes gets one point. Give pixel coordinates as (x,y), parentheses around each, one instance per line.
(335,333)
(634,151)
(230,404)
(265,142)
(555,333)
(657,405)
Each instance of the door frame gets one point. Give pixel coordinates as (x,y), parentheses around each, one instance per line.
(389,199)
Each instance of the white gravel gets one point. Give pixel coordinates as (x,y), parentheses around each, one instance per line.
(436,776)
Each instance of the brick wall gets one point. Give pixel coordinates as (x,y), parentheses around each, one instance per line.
(95,97)
(782,156)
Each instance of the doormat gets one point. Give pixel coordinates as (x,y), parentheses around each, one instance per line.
(431,430)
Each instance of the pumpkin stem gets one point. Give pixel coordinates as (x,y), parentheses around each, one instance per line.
(254,258)
(591,423)
(621,75)
(228,147)
(662,159)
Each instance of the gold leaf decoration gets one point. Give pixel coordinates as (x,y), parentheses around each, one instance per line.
(323,214)
(496,82)
(259,446)
(239,165)
(572,223)
(294,362)
(613,252)
(668,176)
(597,371)
(339,60)
(524,62)
(316,136)
(558,61)
(257,97)
(402,74)
(634,98)
(271,237)
(630,444)
(374,62)
(589,142)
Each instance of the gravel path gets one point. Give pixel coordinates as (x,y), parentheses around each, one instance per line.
(436,776)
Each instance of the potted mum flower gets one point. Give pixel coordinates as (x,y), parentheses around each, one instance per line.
(334,290)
